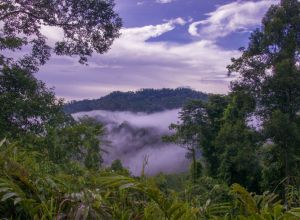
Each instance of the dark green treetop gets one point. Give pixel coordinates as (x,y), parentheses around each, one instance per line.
(87,26)
(270,75)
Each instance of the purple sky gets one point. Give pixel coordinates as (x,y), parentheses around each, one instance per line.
(164,43)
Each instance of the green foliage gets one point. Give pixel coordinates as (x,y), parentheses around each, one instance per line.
(26,104)
(79,141)
(50,164)
(239,145)
(32,115)
(29,190)
(239,159)
(117,167)
(146,100)
(207,189)
(268,90)
(270,76)
(200,124)
(87,26)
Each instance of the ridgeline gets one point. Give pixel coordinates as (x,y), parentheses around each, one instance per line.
(145,100)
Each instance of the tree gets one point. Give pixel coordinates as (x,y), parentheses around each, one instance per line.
(281,158)
(117,167)
(79,141)
(190,132)
(200,123)
(27,106)
(270,74)
(87,26)
(238,145)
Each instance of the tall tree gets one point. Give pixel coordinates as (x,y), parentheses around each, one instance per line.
(87,26)
(200,124)
(189,134)
(27,106)
(269,72)
(79,141)
(238,145)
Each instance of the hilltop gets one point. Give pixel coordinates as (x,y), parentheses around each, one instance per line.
(145,100)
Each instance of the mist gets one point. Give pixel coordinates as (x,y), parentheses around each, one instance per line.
(132,137)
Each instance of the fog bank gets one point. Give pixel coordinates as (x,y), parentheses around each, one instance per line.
(134,136)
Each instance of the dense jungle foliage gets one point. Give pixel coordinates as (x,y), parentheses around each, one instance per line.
(51,165)
(145,100)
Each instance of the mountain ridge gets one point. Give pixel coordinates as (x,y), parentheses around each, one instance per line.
(144,100)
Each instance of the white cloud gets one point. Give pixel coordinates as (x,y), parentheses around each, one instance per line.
(164,1)
(52,33)
(130,146)
(134,62)
(144,33)
(179,21)
(178,64)
(229,18)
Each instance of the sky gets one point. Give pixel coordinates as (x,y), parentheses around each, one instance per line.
(164,44)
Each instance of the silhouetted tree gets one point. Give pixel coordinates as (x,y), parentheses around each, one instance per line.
(270,74)
(87,26)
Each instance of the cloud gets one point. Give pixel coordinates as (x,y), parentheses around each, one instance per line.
(164,1)
(52,33)
(133,63)
(237,16)
(141,34)
(160,120)
(134,136)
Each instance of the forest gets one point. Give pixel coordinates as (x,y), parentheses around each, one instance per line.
(51,164)
(145,100)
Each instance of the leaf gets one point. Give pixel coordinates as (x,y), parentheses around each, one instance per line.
(8,195)
(5,189)
(174,208)
(295,212)
(127,185)
(2,142)
(245,197)
(278,211)
(17,200)
(179,214)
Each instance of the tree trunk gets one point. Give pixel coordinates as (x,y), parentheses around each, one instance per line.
(194,165)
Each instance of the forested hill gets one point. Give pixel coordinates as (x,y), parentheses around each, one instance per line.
(145,100)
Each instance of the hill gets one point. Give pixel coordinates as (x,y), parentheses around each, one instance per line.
(145,100)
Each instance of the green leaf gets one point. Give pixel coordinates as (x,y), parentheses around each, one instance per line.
(8,195)
(17,200)
(2,142)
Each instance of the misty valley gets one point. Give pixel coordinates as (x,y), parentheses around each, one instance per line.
(134,137)
(149,110)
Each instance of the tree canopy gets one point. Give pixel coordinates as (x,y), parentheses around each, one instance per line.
(87,26)
(267,91)
(145,100)
(51,165)
(270,75)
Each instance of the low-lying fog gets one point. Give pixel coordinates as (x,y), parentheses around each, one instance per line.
(134,136)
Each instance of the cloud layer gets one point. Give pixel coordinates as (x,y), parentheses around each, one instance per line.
(164,1)
(133,62)
(229,18)
(136,136)
(136,61)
